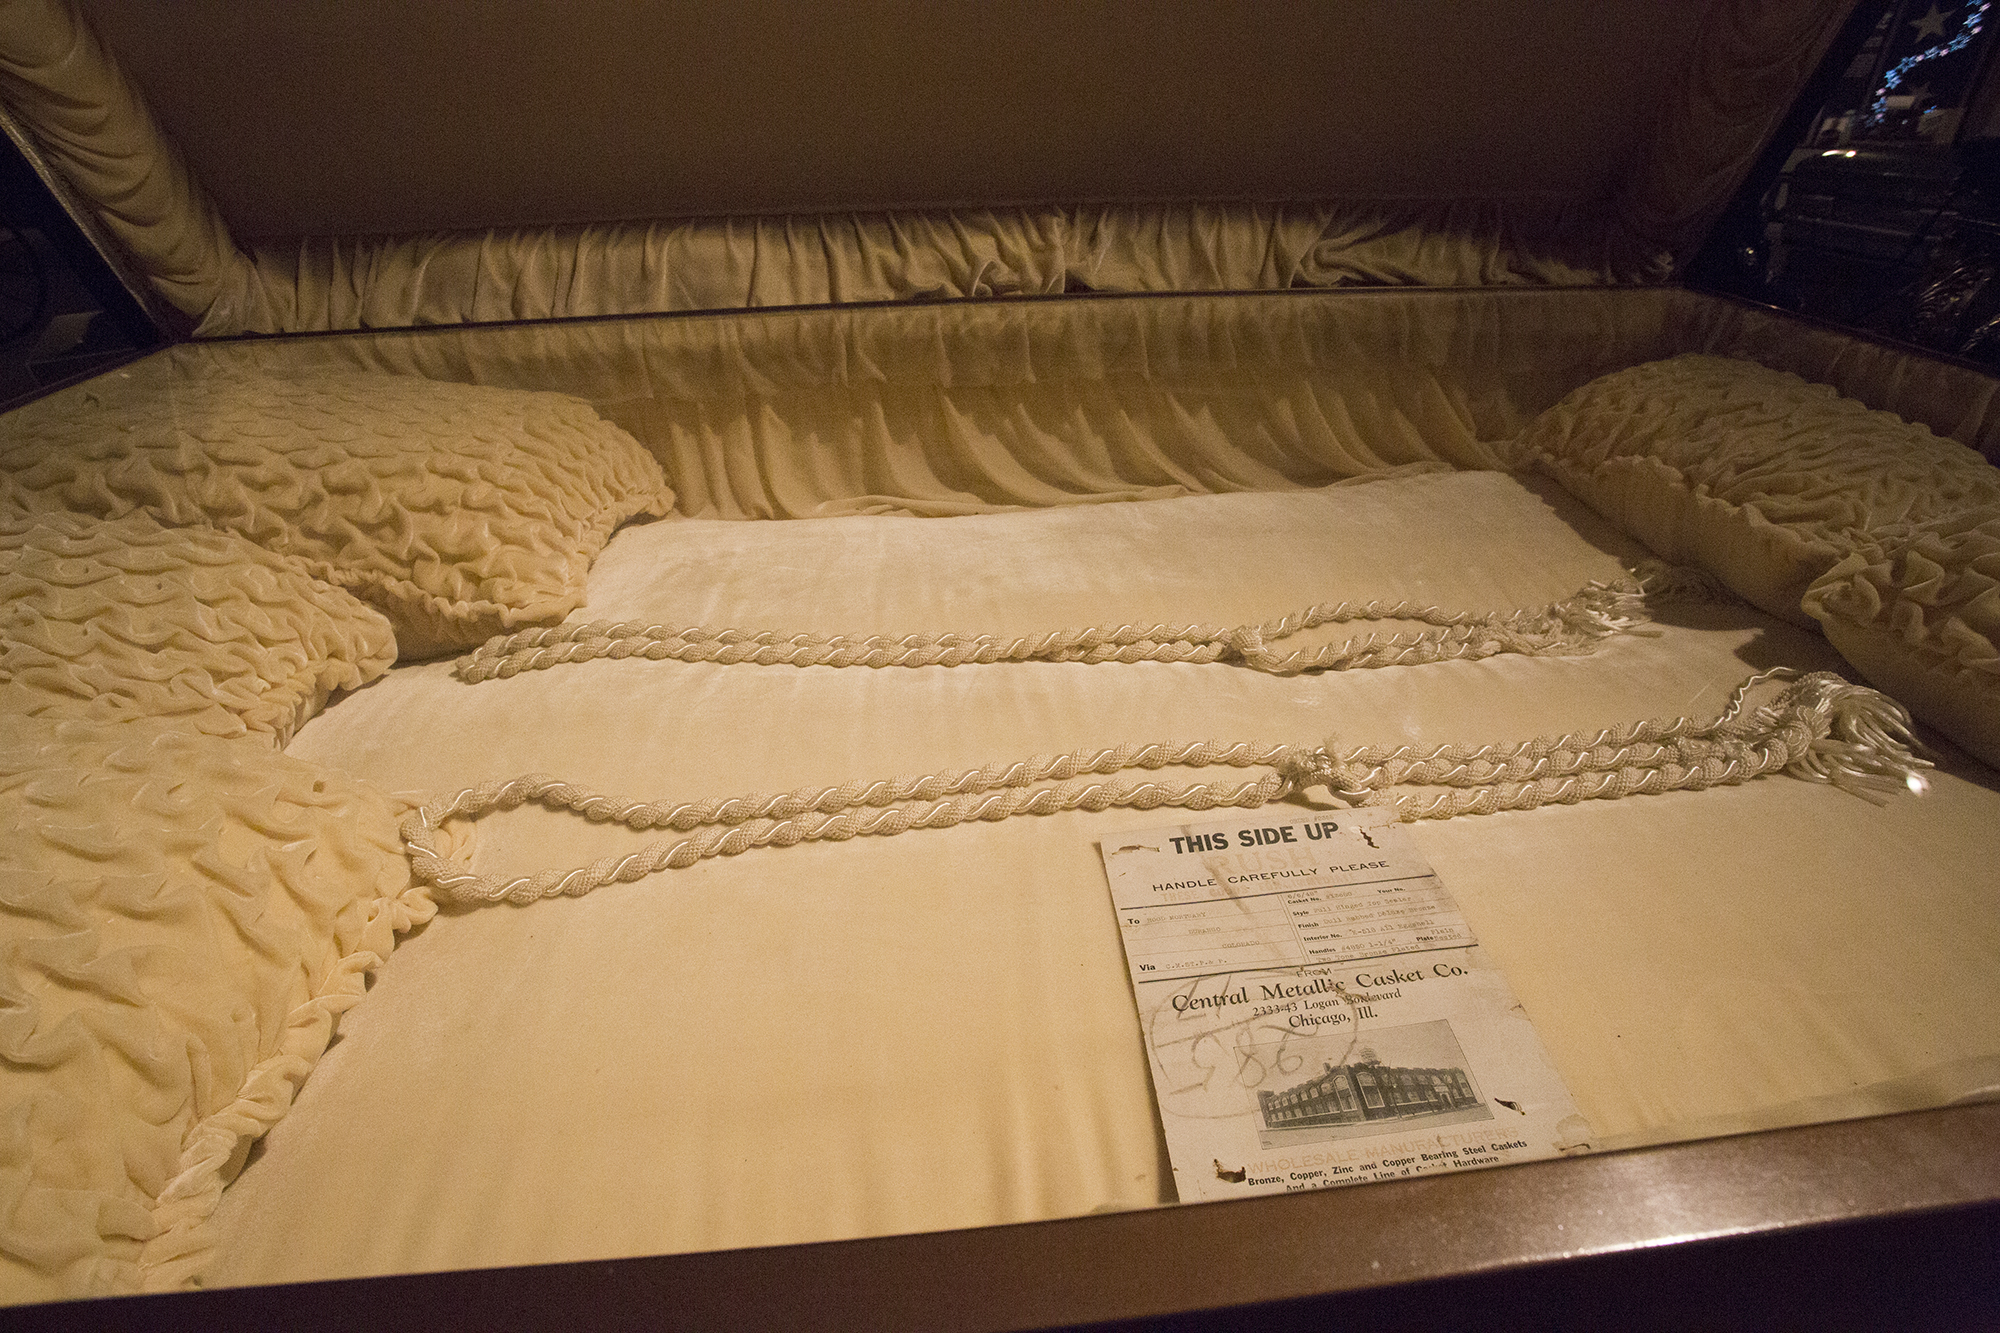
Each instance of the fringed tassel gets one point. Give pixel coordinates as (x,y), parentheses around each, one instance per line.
(1863,743)
(1663,584)
(1819,727)
(1625,606)
(1603,609)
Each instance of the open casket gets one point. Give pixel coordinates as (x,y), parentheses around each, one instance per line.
(834,323)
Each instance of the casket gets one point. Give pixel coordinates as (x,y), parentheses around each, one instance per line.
(853,402)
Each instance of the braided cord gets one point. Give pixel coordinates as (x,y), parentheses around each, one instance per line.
(1821,728)
(835,814)
(1565,628)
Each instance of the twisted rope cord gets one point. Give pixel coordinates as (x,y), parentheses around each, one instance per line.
(1821,728)
(833,814)
(1566,628)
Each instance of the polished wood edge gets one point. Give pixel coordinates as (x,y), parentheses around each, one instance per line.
(1153,1262)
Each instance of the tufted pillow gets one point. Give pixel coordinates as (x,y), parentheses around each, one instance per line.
(1922,621)
(458,510)
(124,618)
(1763,478)
(182,919)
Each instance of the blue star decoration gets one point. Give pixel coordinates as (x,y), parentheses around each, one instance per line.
(1972,17)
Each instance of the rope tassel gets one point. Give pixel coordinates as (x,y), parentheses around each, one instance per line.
(1820,728)
(1864,746)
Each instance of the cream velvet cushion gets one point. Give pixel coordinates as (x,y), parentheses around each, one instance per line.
(1763,478)
(181,919)
(460,511)
(1921,621)
(108,620)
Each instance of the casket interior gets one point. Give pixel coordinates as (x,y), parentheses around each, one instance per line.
(591,201)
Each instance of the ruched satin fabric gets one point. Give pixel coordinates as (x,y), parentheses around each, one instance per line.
(838,259)
(1638,219)
(110,620)
(972,408)
(1920,617)
(1809,505)
(459,511)
(183,917)
(95,128)
(1757,474)
(1233,416)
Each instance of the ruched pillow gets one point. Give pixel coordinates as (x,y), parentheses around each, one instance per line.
(123,618)
(459,511)
(1762,478)
(182,918)
(1922,622)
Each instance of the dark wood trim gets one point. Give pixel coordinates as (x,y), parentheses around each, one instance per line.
(1892,1175)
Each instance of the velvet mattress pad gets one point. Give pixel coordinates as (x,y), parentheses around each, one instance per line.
(935,1030)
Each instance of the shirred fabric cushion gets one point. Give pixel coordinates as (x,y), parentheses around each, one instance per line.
(108,620)
(182,918)
(458,510)
(1922,622)
(1763,478)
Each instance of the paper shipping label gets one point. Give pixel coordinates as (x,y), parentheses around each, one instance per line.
(1316,1011)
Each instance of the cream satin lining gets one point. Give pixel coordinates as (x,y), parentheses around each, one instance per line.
(93,125)
(973,408)
(831,259)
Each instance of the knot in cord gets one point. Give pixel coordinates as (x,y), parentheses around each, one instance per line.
(1302,768)
(1246,642)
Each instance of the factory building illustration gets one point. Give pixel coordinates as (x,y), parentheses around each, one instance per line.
(1366,1089)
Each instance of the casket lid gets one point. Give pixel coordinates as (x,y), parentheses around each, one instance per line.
(371,117)
(375,116)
